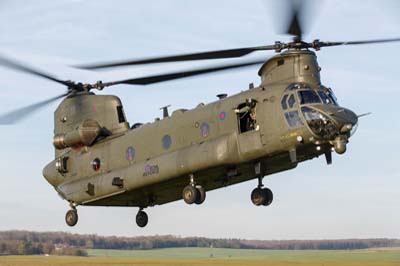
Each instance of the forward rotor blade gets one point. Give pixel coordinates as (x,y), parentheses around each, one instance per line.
(179,75)
(297,16)
(326,44)
(16,115)
(295,27)
(218,54)
(30,70)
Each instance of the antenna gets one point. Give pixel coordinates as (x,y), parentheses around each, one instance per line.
(165,110)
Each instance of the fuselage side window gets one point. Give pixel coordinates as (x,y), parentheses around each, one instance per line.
(247,116)
(121,115)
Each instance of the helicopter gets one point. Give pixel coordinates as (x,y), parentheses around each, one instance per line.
(289,118)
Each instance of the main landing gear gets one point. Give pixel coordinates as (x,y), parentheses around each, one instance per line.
(141,218)
(193,193)
(261,196)
(71,218)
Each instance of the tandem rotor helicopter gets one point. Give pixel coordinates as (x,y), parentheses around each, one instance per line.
(290,117)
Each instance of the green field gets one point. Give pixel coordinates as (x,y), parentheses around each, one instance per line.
(214,256)
(222,253)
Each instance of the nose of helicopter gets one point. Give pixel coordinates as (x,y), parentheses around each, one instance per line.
(345,119)
(347,122)
(331,123)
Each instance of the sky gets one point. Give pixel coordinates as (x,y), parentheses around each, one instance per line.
(356,197)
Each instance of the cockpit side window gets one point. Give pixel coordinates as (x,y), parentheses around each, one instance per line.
(291,101)
(284,104)
(308,96)
(293,119)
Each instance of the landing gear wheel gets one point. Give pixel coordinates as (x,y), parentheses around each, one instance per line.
(142,219)
(258,196)
(201,195)
(269,196)
(190,194)
(71,218)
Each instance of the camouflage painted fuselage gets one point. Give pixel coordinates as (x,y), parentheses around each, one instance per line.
(151,163)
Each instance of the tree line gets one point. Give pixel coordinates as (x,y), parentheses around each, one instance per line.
(62,243)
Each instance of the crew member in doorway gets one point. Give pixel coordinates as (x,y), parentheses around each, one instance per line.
(247,116)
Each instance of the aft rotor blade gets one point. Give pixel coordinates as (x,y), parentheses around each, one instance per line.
(218,54)
(326,44)
(179,75)
(30,70)
(16,115)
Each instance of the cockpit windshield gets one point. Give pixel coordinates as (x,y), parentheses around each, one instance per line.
(327,96)
(332,96)
(324,97)
(308,96)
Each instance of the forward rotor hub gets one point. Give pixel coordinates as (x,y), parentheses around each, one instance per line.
(298,44)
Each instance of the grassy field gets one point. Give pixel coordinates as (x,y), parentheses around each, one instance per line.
(209,256)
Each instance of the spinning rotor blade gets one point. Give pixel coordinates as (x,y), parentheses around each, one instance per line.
(299,14)
(294,18)
(297,20)
(135,81)
(179,75)
(327,44)
(30,70)
(16,115)
(218,54)
(295,27)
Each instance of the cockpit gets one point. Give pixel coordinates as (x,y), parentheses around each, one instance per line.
(318,109)
(299,99)
(306,95)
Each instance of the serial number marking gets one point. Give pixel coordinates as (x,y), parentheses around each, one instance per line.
(150,170)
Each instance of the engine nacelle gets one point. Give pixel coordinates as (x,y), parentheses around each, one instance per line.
(84,135)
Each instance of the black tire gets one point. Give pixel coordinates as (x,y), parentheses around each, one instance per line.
(142,219)
(71,218)
(201,195)
(189,194)
(258,196)
(269,197)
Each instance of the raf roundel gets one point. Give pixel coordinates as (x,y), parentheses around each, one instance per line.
(222,116)
(96,164)
(204,130)
(130,153)
(166,142)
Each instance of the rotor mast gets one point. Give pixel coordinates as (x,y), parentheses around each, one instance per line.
(291,66)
